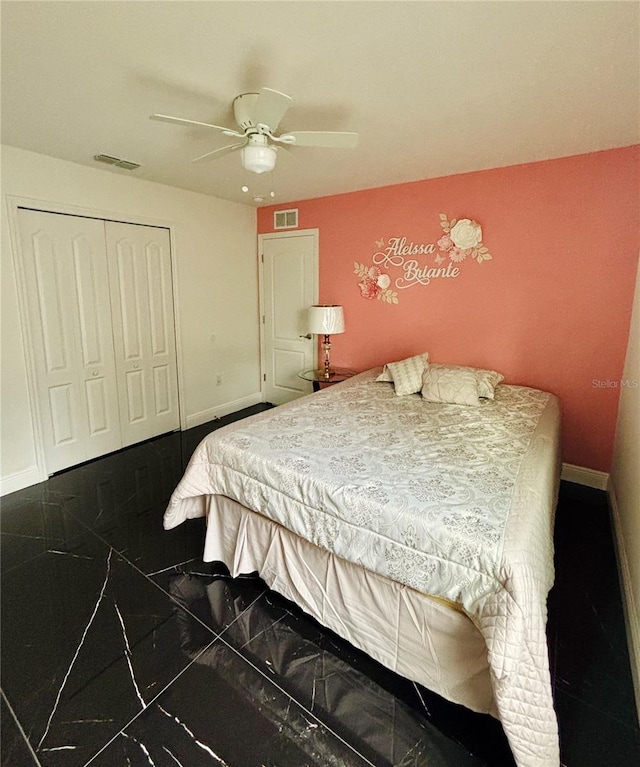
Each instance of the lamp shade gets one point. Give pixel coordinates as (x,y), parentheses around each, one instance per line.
(326,320)
(258,159)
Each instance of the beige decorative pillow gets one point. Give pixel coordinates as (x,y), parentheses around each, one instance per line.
(385,375)
(453,385)
(487,380)
(407,374)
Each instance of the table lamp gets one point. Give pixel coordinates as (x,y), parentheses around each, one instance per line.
(324,320)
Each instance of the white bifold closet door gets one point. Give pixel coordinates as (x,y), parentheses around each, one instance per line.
(139,259)
(100,307)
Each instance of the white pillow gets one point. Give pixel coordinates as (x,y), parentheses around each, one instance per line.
(407,374)
(386,376)
(453,385)
(487,380)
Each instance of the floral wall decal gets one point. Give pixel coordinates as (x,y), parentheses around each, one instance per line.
(374,284)
(462,239)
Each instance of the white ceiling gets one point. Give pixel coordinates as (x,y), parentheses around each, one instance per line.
(433,88)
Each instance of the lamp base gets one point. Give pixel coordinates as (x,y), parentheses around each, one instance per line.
(326,345)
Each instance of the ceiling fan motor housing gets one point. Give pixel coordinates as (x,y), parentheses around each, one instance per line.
(243,107)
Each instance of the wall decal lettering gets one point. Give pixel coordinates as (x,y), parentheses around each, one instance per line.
(462,240)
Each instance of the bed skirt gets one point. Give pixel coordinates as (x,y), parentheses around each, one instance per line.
(422,638)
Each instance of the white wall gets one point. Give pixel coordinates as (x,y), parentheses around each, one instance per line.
(217,291)
(625,487)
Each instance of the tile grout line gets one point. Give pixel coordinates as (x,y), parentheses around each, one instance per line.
(220,637)
(148,705)
(297,702)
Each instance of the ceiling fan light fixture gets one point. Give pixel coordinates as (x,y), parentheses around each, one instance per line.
(258,116)
(258,158)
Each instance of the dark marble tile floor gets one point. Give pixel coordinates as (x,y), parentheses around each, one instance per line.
(121,647)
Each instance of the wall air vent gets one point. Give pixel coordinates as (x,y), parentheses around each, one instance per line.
(116,161)
(285,219)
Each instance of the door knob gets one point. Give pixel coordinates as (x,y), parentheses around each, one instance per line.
(308,336)
(95,373)
(136,366)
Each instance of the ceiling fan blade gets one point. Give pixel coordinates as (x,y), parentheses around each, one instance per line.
(329,139)
(270,108)
(182,121)
(285,152)
(219,152)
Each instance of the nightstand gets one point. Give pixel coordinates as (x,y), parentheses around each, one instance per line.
(317,377)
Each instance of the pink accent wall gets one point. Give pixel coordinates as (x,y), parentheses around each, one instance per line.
(550,310)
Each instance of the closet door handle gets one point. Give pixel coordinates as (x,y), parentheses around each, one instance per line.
(308,336)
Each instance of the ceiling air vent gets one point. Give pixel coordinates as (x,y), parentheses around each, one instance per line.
(285,219)
(116,161)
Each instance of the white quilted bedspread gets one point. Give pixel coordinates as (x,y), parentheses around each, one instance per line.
(453,501)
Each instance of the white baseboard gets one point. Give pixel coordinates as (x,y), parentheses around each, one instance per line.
(587,477)
(11,483)
(629,603)
(21,479)
(220,410)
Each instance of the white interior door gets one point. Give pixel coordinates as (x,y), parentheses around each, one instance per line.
(289,288)
(65,271)
(139,260)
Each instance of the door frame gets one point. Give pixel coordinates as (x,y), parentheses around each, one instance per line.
(315,233)
(14,203)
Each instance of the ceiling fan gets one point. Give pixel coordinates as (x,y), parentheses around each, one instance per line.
(258,116)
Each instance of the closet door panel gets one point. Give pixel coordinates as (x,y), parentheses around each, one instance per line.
(63,423)
(89,303)
(65,269)
(162,381)
(49,309)
(129,299)
(144,337)
(96,413)
(158,268)
(136,405)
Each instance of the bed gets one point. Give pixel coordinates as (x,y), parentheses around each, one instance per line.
(421,532)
